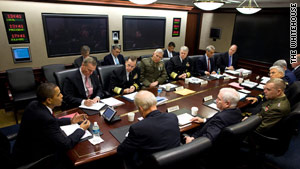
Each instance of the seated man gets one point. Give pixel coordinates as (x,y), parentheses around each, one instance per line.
(40,134)
(229,114)
(206,64)
(85,52)
(275,105)
(83,87)
(114,58)
(277,72)
(153,71)
(289,75)
(296,67)
(180,67)
(169,53)
(228,60)
(158,131)
(125,79)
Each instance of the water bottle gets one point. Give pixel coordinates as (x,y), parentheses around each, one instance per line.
(218,72)
(96,130)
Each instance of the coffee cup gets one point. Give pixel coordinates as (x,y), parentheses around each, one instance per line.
(168,87)
(186,81)
(194,111)
(130,116)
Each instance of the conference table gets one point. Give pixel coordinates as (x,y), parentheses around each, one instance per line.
(85,152)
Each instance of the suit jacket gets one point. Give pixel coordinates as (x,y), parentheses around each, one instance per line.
(297,73)
(166,53)
(40,135)
(202,65)
(79,60)
(118,80)
(220,120)
(290,77)
(223,61)
(74,92)
(175,68)
(157,132)
(108,60)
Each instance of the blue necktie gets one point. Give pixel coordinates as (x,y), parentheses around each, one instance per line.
(229,63)
(117,61)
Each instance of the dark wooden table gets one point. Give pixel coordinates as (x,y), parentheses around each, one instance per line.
(85,152)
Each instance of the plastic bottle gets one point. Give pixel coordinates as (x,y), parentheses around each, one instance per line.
(96,130)
(218,72)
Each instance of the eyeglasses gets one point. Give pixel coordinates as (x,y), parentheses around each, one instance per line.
(272,73)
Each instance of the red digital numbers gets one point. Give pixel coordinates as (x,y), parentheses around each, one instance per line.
(14,16)
(17,35)
(16,26)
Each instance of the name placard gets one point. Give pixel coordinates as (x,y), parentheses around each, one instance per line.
(16,28)
(204,82)
(207,98)
(179,88)
(173,108)
(226,77)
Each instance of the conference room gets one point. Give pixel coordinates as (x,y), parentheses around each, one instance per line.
(41,36)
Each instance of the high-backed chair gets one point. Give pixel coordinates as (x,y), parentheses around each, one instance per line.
(278,142)
(22,86)
(178,156)
(61,76)
(293,93)
(50,69)
(194,59)
(145,56)
(105,72)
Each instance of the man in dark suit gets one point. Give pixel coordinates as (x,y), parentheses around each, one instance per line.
(229,114)
(125,79)
(180,67)
(156,132)
(288,75)
(114,58)
(40,134)
(206,64)
(169,53)
(296,67)
(228,60)
(85,52)
(83,87)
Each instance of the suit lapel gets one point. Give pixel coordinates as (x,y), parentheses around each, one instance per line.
(80,84)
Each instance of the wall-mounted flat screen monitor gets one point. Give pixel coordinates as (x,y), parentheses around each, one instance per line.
(66,33)
(215,33)
(143,32)
(21,54)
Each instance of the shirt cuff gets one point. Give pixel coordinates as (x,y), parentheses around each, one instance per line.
(204,120)
(82,102)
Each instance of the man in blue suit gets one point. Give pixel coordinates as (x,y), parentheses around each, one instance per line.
(156,132)
(114,58)
(40,134)
(289,76)
(228,60)
(229,114)
(206,64)
(296,67)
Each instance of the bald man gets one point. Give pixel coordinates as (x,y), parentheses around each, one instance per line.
(228,60)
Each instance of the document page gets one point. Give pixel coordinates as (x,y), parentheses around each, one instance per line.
(184,92)
(95,106)
(184,118)
(130,96)
(69,129)
(112,102)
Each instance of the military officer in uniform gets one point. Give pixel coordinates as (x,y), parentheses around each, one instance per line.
(153,71)
(180,67)
(125,79)
(275,105)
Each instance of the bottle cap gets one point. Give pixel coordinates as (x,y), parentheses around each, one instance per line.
(95,123)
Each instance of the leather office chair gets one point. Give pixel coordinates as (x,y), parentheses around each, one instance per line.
(105,72)
(22,86)
(61,76)
(293,93)
(194,59)
(145,56)
(50,69)
(101,62)
(278,141)
(179,156)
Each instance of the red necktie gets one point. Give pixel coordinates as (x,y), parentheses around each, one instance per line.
(89,87)
(208,65)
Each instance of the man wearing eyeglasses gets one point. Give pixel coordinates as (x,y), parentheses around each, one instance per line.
(126,79)
(153,71)
(83,87)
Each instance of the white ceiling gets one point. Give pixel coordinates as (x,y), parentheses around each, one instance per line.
(261,3)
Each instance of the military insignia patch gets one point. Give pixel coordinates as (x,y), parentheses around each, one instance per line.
(188,64)
(135,76)
(266,108)
(278,105)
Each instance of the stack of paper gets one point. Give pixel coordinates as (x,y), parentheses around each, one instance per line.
(95,106)
(242,95)
(242,70)
(130,96)
(112,102)
(230,77)
(69,129)
(264,80)
(217,76)
(232,72)
(161,100)
(249,84)
(195,80)
(184,92)
(164,86)
(213,105)
(260,86)
(184,118)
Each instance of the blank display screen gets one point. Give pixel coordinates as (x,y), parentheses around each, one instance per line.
(21,54)
(109,113)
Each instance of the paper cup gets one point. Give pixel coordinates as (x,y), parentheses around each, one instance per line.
(168,88)
(186,81)
(194,111)
(130,117)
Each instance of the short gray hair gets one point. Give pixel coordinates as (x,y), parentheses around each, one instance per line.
(278,83)
(159,51)
(115,46)
(84,49)
(184,48)
(90,60)
(210,47)
(282,63)
(144,99)
(230,95)
(279,68)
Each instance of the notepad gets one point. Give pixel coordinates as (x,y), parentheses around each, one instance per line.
(195,80)
(184,92)
(112,102)
(184,118)
(236,85)
(95,106)
(161,100)
(69,129)
(130,96)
